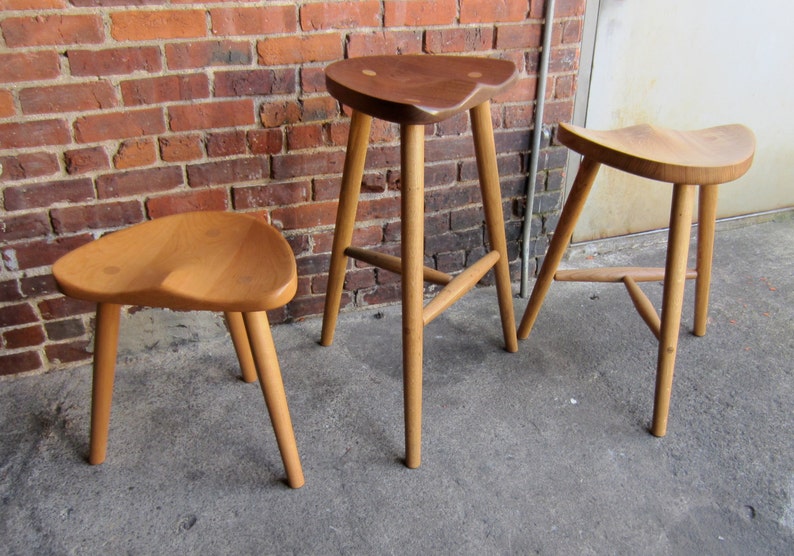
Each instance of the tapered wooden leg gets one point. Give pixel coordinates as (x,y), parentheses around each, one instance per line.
(412,175)
(485,150)
(707,219)
(559,242)
(267,368)
(106,341)
(241,346)
(672,301)
(352,173)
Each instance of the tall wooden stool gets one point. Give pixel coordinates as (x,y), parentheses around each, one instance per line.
(687,159)
(414,91)
(202,261)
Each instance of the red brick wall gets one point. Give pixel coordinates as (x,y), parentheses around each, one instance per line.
(116,111)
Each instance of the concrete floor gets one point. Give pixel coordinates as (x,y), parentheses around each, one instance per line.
(544,451)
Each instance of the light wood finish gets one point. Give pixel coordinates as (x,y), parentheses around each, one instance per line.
(394,264)
(688,159)
(215,261)
(242,347)
(413,91)
(352,174)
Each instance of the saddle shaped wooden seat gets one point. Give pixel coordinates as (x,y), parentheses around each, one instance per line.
(414,91)
(201,261)
(689,160)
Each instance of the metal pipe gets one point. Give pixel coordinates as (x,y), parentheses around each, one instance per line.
(537,132)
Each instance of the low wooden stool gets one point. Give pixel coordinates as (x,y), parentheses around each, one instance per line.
(414,91)
(201,261)
(687,159)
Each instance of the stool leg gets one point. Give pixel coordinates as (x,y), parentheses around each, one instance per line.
(352,174)
(672,301)
(412,250)
(264,352)
(707,218)
(485,150)
(241,346)
(559,242)
(106,341)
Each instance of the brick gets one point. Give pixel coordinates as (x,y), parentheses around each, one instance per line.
(70,352)
(7,108)
(17,315)
(24,337)
(65,329)
(410,13)
(119,125)
(114,61)
(134,153)
(294,165)
(97,217)
(256,82)
(158,90)
(382,42)
(276,114)
(319,108)
(13,363)
(202,199)
(320,16)
(28,165)
(265,141)
(24,226)
(139,182)
(564,59)
(19,67)
(304,216)
(180,148)
(261,20)
(300,49)
(313,80)
(143,25)
(90,159)
(43,194)
(459,40)
(34,134)
(44,30)
(210,115)
(35,286)
(20,5)
(525,35)
(226,143)
(272,194)
(42,253)
(79,97)
(227,171)
(9,291)
(569,8)
(304,137)
(200,54)
(493,11)
(62,307)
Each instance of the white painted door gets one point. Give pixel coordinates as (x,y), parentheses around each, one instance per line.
(689,64)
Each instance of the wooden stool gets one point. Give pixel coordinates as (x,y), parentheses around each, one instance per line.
(687,159)
(203,261)
(414,91)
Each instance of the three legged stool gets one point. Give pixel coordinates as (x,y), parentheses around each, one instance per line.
(196,261)
(414,91)
(687,159)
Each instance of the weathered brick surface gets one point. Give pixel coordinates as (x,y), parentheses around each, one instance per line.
(113,112)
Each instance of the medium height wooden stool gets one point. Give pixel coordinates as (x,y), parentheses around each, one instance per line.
(687,159)
(202,261)
(414,91)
